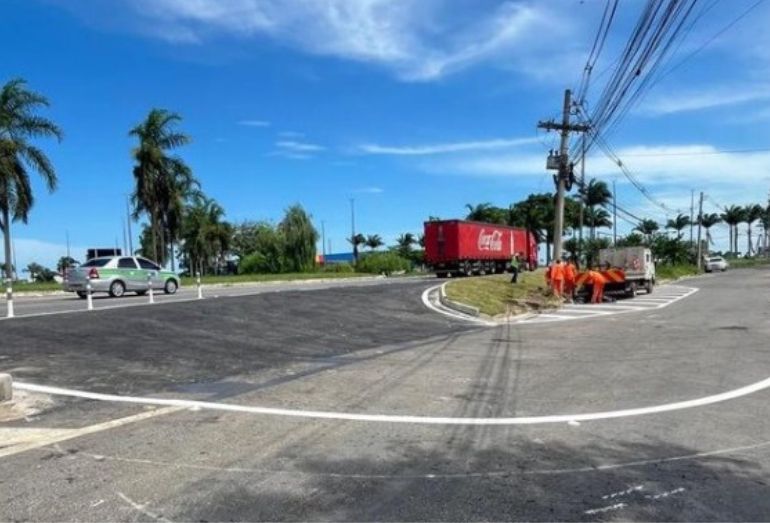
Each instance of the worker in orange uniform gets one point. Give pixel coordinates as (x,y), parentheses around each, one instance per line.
(557,279)
(548,274)
(570,277)
(598,281)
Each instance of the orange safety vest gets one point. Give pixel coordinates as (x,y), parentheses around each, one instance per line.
(570,273)
(596,277)
(557,273)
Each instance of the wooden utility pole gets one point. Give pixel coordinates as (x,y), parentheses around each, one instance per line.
(614,215)
(561,164)
(692,211)
(700,225)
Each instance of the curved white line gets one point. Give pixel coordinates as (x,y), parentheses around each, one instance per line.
(388,418)
(454,315)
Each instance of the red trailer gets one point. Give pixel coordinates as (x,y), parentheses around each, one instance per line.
(463,247)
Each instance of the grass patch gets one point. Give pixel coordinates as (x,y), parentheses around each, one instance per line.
(23,286)
(741,263)
(672,272)
(251,278)
(494,295)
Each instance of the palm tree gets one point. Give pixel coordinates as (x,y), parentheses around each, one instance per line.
(205,236)
(677,224)
(597,217)
(355,241)
(647,228)
(485,212)
(163,182)
(18,125)
(596,193)
(708,221)
(751,213)
(373,241)
(732,216)
(404,244)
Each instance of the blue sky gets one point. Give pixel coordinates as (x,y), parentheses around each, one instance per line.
(413,108)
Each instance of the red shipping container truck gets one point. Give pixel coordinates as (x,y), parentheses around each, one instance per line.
(463,247)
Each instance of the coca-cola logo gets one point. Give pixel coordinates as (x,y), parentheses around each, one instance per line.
(492,241)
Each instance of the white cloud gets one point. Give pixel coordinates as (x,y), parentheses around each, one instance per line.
(299,147)
(705,99)
(417,39)
(254,123)
(291,134)
(442,148)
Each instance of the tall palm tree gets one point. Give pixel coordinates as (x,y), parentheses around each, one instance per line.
(751,213)
(597,217)
(596,193)
(647,228)
(678,224)
(19,124)
(373,241)
(732,216)
(707,222)
(356,241)
(162,181)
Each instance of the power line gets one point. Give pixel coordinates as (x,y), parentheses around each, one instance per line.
(702,153)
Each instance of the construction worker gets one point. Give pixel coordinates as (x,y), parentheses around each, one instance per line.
(515,267)
(570,277)
(557,279)
(548,274)
(597,280)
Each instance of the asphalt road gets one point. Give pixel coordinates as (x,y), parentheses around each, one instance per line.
(375,350)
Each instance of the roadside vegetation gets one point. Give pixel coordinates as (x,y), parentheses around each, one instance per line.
(495,295)
(183,228)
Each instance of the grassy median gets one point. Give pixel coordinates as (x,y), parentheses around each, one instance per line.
(494,295)
(254,278)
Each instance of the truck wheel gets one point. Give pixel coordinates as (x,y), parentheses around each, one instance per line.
(648,285)
(632,289)
(467,269)
(442,274)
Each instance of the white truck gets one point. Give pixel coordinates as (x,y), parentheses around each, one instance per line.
(636,262)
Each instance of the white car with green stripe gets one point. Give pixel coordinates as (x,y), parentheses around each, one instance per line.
(117,275)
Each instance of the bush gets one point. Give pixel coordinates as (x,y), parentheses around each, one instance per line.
(258,263)
(338,268)
(382,263)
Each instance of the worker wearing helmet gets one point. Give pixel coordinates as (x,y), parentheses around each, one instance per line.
(557,278)
(598,281)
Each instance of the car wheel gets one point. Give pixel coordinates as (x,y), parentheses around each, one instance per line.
(82,295)
(171,287)
(117,289)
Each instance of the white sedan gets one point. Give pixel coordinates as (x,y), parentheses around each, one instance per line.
(716,264)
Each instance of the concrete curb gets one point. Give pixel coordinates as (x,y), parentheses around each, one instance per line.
(6,387)
(456,306)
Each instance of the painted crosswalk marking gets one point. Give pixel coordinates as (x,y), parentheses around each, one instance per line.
(664,296)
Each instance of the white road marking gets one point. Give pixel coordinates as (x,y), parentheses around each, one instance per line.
(572,312)
(449,312)
(391,418)
(23,440)
(626,492)
(616,506)
(665,494)
(142,508)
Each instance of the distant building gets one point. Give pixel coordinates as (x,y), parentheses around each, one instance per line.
(340,257)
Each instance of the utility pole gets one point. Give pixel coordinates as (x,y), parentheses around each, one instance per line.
(582,194)
(692,211)
(128,222)
(323,241)
(353,229)
(614,215)
(67,235)
(700,222)
(561,164)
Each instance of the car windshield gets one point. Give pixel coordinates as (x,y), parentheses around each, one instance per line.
(715,259)
(96,262)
